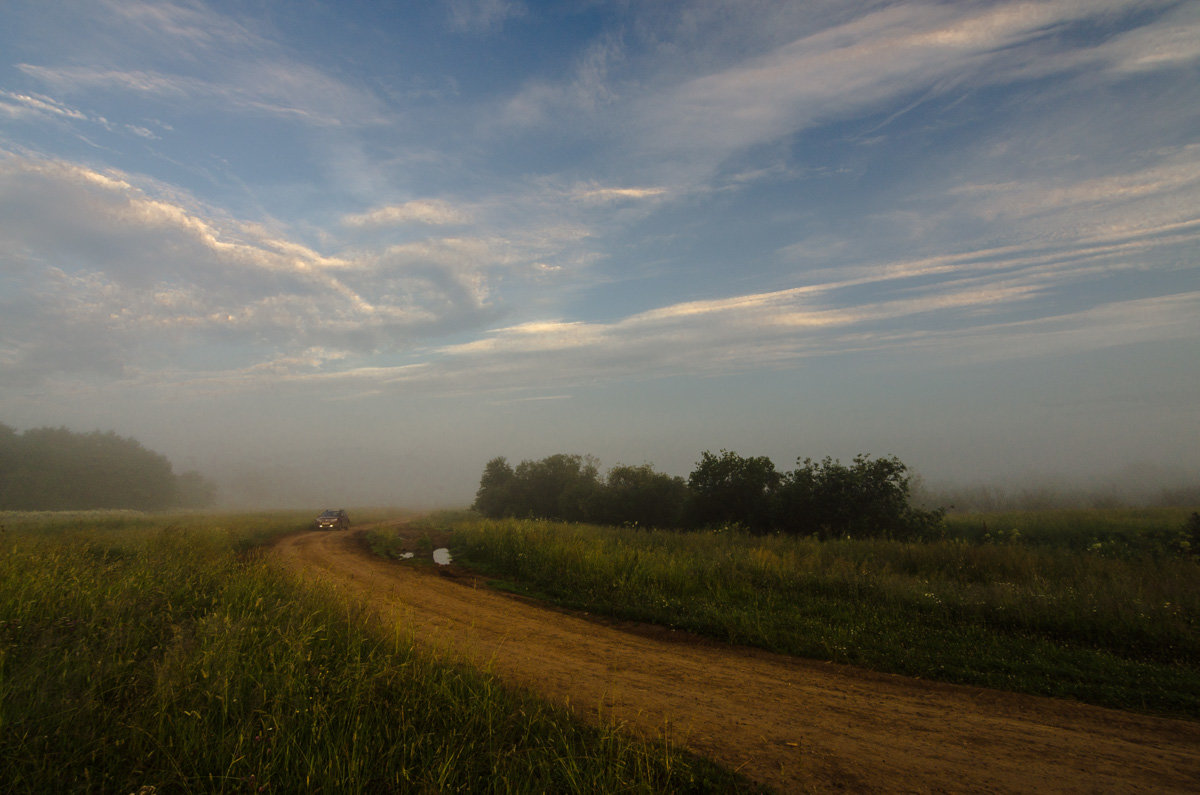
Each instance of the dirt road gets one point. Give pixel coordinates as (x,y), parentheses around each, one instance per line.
(794,725)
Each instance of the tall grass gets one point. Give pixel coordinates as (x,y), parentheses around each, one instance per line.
(1112,532)
(143,651)
(1123,632)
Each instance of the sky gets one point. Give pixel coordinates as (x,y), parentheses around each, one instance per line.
(344,253)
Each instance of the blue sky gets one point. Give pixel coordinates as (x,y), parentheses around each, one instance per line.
(350,251)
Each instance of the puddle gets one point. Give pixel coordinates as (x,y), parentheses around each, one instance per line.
(441,556)
(406,555)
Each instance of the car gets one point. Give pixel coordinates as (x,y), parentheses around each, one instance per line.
(332,520)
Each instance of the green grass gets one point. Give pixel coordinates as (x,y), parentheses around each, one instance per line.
(163,651)
(1116,630)
(1113,532)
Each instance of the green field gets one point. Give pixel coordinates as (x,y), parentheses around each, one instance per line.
(158,651)
(1099,606)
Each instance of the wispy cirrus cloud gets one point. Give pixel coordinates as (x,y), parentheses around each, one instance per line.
(482,16)
(595,194)
(883,56)
(574,354)
(1165,191)
(433,212)
(18,105)
(173,54)
(280,88)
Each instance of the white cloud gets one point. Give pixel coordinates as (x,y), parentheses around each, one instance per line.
(1170,42)
(1166,191)
(743,332)
(815,77)
(105,260)
(689,127)
(434,212)
(275,88)
(216,62)
(588,92)
(594,194)
(483,16)
(35,105)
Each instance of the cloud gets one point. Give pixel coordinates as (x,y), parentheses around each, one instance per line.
(95,259)
(1165,191)
(150,278)
(739,333)
(24,105)
(282,89)
(708,93)
(483,16)
(593,194)
(1170,42)
(776,334)
(583,98)
(821,76)
(434,212)
(215,62)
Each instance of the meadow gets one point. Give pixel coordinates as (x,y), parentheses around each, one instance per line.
(165,654)
(1099,606)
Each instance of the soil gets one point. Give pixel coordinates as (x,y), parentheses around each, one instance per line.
(791,724)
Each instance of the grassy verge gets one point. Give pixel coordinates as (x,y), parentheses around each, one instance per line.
(1110,532)
(141,651)
(1118,631)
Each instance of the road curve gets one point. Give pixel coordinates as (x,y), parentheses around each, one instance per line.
(791,724)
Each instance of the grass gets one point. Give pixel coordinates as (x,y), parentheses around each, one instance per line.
(1120,630)
(1112,532)
(146,651)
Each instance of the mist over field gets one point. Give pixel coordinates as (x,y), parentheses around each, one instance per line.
(332,257)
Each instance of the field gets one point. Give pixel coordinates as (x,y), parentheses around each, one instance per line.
(164,652)
(1097,606)
(170,651)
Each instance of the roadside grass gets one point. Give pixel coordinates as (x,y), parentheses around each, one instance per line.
(1113,532)
(1116,630)
(160,651)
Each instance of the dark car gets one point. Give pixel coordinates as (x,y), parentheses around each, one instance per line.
(333,520)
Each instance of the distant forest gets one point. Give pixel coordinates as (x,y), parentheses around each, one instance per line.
(866,498)
(54,469)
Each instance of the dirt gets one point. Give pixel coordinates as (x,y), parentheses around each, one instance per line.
(791,724)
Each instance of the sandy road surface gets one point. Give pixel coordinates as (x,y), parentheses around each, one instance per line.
(792,724)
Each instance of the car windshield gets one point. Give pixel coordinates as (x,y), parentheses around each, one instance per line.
(329,514)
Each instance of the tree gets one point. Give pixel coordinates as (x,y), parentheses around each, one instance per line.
(57,469)
(495,497)
(639,495)
(557,487)
(869,498)
(728,488)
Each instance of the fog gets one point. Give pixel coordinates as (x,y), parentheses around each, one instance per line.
(994,436)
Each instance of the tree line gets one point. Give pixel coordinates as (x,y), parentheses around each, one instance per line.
(870,497)
(54,469)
